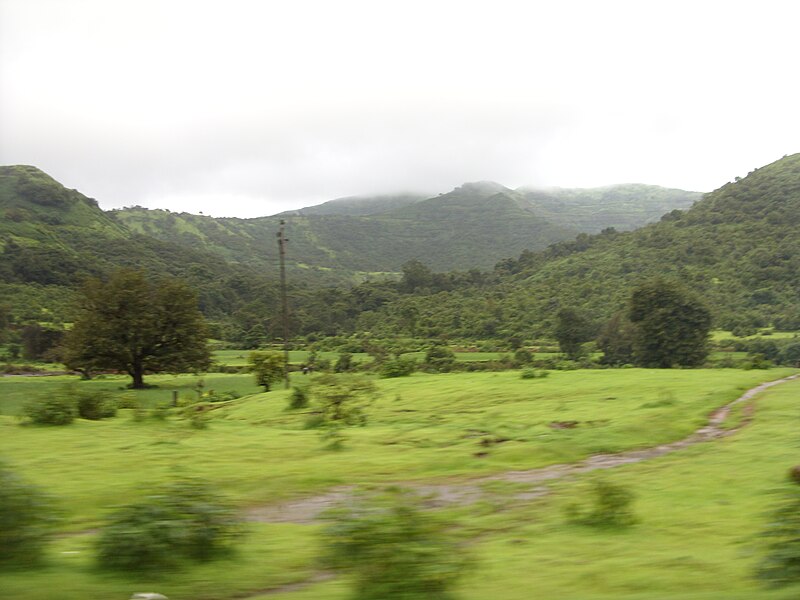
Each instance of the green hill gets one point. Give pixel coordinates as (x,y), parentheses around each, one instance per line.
(738,248)
(52,238)
(473,226)
(623,207)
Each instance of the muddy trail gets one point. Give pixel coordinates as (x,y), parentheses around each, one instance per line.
(306,510)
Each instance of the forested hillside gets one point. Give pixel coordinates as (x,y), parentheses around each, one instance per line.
(739,248)
(473,226)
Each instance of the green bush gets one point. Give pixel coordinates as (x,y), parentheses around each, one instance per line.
(392,548)
(58,408)
(95,404)
(27,516)
(181,521)
(610,506)
(439,358)
(344,363)
(781,536)
(298,399)
(533,374)
(398,367)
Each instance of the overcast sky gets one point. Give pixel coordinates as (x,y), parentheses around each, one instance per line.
(247,108)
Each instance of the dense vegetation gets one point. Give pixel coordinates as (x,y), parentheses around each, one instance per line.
(738,248)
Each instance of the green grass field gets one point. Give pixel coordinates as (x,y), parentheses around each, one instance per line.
(238,358)
(699,508)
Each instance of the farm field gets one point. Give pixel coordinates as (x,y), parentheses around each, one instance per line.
(434,428)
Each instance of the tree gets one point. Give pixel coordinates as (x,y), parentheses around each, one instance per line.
(137,325)
(571,331)
(267,367)
(392,548)
(671,325)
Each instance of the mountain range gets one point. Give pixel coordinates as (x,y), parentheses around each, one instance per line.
(738,247)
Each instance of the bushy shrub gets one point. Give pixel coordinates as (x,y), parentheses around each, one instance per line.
(213,396)
(95,404)
(610,505)
(522,357)
(57,408)
(398,367)
(298,398)
(344,363)
(183,520)
(781,536)
(27,516)
(533,374)
(439,358)
(392,548)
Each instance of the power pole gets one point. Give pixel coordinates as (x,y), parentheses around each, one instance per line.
(284,304)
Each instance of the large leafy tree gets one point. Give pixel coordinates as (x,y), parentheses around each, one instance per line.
(671,325)
(135,324)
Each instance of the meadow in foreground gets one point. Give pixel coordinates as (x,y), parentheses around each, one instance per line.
(433,427)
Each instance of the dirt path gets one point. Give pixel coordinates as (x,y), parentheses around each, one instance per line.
(306,510)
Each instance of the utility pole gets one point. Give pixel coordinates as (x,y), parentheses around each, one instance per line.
(284,304)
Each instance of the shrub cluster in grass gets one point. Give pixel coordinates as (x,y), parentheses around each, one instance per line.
(533,374)
(27,516)
(439,359)
(181,521)
(610,505)
(213,396)
(781,536)
(66,403)
(298,398)
(57,408)
(398,367)
(95,404)
(393,549)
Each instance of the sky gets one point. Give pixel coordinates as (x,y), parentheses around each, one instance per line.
(247,108)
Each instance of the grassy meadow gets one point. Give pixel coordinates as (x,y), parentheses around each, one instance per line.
(697,508)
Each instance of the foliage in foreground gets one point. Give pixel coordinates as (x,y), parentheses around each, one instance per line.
(392,549)
(182,520)
(27,517)
(781,565)
(610,506)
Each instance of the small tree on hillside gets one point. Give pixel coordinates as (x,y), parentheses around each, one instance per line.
(267,367)
(571,331)
(671,325)
(134,324)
